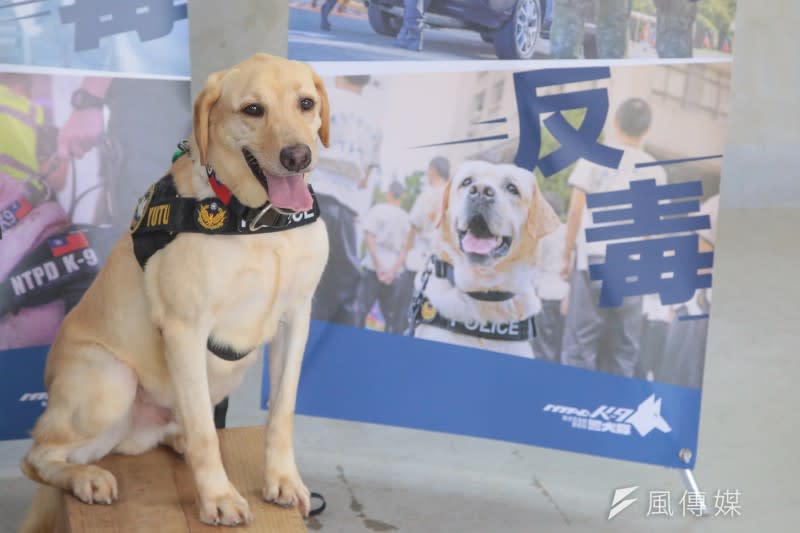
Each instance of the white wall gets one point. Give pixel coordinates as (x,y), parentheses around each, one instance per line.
(224,33)
(762,155)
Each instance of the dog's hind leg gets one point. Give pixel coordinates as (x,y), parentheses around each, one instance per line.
(88,412)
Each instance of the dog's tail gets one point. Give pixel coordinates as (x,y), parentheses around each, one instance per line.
(41,517)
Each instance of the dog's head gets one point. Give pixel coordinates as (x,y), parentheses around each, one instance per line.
(257,124)
(494,215)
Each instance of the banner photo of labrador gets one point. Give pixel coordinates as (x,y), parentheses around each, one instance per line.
(479,291)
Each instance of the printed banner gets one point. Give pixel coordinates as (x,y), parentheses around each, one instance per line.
(545,236)
(133,36)
(446,30)
(71,169)
(521,254)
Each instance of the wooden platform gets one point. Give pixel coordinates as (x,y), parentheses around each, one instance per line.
(156,493)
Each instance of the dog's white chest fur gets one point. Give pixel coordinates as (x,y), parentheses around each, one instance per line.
(248,283)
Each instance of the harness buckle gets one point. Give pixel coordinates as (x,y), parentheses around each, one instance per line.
(255,224)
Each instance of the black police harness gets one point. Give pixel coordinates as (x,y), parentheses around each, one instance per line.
(161,214)
(422,311)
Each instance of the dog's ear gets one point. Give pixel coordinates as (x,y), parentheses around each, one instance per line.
(542,219)
(324,110)
(202,109)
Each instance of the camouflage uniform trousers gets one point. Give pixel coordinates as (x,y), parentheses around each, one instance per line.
(674,24)
(569,17)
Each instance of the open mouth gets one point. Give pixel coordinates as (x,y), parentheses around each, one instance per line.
(479,243)
(288,192)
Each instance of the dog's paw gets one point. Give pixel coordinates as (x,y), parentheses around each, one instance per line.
(228,509)
(285,488)
(92,484)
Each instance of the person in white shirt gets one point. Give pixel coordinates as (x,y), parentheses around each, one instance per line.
(385,227)
(606,338)
(344,184)
(424,217)
(551,289)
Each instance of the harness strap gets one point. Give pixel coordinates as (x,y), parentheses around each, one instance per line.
(521,330)
(444,270)
(161,214)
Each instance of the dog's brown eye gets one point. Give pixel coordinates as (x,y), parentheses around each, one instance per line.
(253,110)
(466,183)
(306,104)
(512,189)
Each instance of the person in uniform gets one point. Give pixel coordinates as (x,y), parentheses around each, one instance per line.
(410,36)
(570,17)
(674,27)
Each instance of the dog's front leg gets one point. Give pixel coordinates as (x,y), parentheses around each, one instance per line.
(282,479)
(218,500)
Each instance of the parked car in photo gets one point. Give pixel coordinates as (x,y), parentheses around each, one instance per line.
(513,26)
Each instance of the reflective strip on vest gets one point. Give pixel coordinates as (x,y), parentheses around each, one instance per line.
(19,120)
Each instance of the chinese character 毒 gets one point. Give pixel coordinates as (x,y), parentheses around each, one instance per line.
(693,502)
(666,266)
(575,143)
(660,503)
(726,503)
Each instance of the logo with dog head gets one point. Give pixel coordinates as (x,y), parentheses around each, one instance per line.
(647,417)
(613,419)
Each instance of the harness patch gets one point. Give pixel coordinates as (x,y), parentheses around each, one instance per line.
(211,214)
(141,208)
(13,213)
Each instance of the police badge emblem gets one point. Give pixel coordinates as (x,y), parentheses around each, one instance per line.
(211,215)
(427,312)
(141,208)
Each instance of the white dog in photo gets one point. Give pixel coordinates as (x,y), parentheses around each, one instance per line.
(481,292)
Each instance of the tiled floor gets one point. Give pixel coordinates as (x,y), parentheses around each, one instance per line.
(380,478)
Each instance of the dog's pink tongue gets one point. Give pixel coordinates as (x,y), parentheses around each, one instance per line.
(289,192)
(472,244)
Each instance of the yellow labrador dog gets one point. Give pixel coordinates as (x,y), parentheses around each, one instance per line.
(136,363)
(480,291)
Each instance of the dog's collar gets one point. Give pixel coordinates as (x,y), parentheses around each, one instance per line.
(444,270)
(522,330)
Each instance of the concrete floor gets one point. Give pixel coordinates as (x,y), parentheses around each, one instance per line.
(379,478)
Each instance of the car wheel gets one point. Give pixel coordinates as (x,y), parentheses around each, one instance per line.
(382,22)
(516,38)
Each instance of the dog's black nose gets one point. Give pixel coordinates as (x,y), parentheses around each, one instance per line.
(484,192)
(296,157)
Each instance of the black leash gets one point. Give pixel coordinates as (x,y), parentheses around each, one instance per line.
(318,510)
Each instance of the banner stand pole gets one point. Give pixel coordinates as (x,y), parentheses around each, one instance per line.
(691,485)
